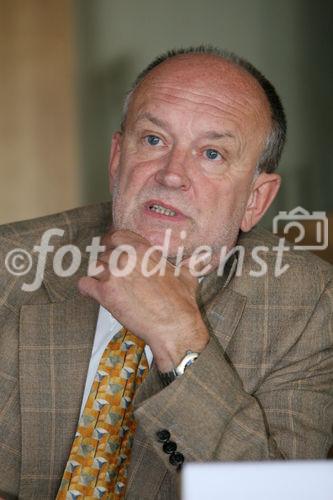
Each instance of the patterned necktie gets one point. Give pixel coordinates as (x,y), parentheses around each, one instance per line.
(100,454)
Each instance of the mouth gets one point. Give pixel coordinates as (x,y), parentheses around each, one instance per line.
(161,209)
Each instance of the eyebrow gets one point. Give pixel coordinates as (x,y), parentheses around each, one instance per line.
(210,134)
(153,119)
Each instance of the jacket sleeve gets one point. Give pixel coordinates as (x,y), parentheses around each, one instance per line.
(212,418)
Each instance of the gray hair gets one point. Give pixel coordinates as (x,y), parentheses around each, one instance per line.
(275,140)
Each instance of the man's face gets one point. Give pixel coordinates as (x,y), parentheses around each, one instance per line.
(186,161)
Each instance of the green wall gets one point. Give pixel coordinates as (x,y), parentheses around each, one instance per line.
(289,41)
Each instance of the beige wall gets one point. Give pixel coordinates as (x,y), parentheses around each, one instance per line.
(38,131)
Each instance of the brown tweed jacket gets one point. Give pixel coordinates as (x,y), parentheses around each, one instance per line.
(262,389)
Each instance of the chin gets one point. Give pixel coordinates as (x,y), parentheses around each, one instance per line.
(156,237)
(161,239)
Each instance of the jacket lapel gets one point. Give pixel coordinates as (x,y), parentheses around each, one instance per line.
(55,348)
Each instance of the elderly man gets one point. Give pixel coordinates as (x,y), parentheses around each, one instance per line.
(240,361)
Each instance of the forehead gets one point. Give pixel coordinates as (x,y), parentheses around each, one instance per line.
(202,79)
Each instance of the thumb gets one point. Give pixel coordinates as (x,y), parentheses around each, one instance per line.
(89,287)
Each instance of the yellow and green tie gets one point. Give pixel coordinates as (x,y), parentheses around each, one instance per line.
(100,455)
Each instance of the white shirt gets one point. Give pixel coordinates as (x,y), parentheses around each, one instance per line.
(107,326)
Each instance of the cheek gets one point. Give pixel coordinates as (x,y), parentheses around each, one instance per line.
(135,172)
(224,204)
(236,190)
(217,196)
(128,179)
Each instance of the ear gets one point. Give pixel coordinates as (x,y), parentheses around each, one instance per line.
(114,157)
(263,192)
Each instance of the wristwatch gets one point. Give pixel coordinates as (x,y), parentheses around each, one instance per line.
(187,361)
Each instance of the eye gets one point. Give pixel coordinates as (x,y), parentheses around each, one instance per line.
(212,154)
(152,140)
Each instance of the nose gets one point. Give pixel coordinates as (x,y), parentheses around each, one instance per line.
(173,174)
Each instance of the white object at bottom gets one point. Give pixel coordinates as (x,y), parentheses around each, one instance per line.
(274,480)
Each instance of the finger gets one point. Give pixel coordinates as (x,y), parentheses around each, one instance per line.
(99,269)
(89,287)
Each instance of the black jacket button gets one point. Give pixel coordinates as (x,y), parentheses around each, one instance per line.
(169,447)
(176,459)
(163,435)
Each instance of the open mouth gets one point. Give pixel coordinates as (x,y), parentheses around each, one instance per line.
(159,209)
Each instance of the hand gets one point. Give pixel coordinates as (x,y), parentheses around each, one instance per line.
(161,310)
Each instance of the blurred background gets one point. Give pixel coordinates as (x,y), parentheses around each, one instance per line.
(65,66)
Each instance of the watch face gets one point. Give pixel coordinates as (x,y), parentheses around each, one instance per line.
(188,360)
(189,363)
